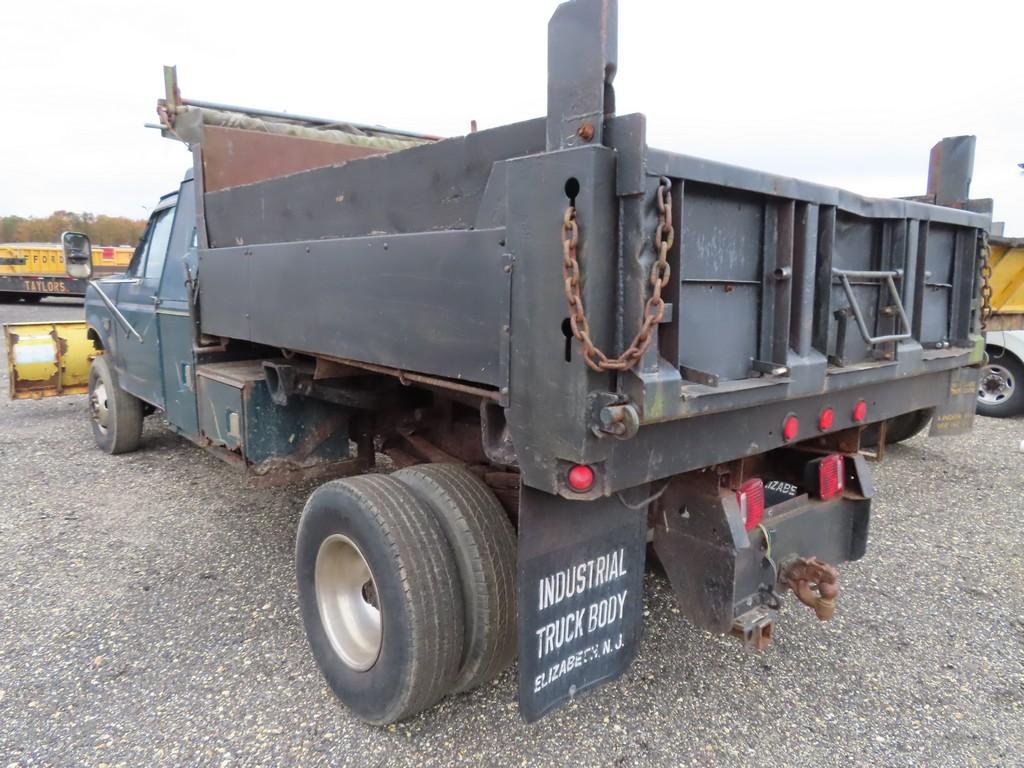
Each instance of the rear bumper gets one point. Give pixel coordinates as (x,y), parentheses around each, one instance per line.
(720,572)
(665,449)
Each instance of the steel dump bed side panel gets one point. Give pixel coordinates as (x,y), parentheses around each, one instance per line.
(440,186)
(434,303)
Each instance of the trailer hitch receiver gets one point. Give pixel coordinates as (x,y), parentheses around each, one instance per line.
(816,584)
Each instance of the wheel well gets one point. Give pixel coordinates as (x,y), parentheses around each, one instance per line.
(93,336)
(995,352)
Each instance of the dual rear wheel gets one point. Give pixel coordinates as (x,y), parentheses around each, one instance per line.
(407,587)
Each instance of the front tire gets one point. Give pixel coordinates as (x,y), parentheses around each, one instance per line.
(116,415)
(1001,386)
(379,594)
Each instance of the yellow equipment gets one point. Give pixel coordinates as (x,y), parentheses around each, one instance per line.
(38,269)
(45,359)
(1006,259)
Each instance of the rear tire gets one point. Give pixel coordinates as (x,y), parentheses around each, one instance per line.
(1001,385)
(898,428)
(367,545)
(116,415)
(484,544)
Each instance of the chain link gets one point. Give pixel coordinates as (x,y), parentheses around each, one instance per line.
(986,282)
(654,309)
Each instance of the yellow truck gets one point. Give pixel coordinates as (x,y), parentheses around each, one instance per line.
(30,271)
(1001,386)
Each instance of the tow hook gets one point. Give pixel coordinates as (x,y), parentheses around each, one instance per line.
(816,584)
(612,415)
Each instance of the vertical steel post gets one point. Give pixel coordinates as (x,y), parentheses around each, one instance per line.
(582,58)
(950,168)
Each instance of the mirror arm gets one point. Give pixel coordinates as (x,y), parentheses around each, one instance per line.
(116,312)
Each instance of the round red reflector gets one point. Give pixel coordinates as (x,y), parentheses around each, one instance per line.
(581,478)
(826,419)
(860,411)
(790,427)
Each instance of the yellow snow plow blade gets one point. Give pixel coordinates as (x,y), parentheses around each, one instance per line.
(47,359)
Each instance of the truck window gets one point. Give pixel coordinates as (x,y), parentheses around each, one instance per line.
(158,240)
(139,256)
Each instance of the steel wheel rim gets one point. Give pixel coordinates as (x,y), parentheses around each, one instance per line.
(98,406)
(996,385)
(346,597)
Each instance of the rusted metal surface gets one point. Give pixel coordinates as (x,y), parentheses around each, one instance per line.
(278,472)
(419,378)
(316,438)
(816,584)
(234,156)
(755,628)
(1006,322)
(173,105)
(423,448)
(654,309)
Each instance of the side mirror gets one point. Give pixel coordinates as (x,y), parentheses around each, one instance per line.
(77,254)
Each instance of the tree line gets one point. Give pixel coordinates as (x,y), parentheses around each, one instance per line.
(102,230)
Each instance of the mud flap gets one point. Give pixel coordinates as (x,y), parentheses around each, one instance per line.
(580,590)
(956,415)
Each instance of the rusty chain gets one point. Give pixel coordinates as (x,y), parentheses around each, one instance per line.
(986,282)
(654,309)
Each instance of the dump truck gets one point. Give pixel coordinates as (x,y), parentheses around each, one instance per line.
(1001,384)
(566,344)
(31,271)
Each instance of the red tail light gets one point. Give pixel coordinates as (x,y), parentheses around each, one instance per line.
(790,428)
(826,419)
(860,411)
(831,475)
(750,497)
(581,478)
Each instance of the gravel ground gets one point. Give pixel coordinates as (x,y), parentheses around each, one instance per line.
(148,617)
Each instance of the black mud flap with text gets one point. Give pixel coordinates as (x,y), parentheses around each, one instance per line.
(580,591)
(956,415)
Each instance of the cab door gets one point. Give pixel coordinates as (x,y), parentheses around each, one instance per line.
(137,299)
(175,320)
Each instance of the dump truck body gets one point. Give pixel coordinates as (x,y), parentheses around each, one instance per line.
(616,342)
(1006,260)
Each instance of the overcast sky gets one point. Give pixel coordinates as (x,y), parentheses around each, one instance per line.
(850,94)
